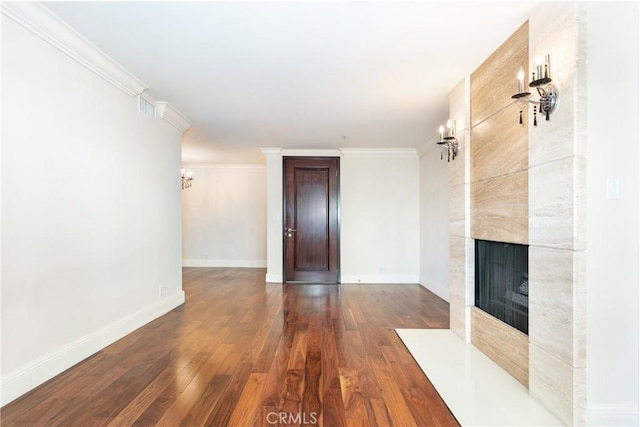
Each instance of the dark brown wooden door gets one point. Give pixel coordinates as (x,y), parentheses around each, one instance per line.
(311,205)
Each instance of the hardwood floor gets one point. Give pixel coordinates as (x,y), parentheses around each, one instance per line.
(240,352)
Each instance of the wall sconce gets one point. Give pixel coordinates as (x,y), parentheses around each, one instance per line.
(541,80)
(449,142)
(186,178)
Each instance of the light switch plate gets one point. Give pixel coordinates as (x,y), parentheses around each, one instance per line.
(613,188)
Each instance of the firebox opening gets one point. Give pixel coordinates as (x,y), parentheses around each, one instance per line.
(502,282)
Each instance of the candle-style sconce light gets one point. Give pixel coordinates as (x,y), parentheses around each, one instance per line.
(449,142)
(541,81)
(186,178)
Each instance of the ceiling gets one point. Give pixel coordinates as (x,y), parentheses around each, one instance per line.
(299,74)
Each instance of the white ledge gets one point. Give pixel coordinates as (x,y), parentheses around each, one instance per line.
(42,22)
(477,391)
(172,116)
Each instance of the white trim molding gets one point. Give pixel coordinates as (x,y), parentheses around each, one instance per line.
(610,415)
(19,382)
(295,152)
(343,152)
(274,278)
(45,24)
(172,116)
(409,279)
(271,151)
(216,166)
(379,152)
(233,263)
(36,18)
(441,291)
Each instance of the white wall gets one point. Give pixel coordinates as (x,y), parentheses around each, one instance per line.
(224,217)
(90,213)
(380,217)
(434,223)
(613,229)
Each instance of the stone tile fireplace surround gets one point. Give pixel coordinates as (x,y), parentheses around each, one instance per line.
(524,184)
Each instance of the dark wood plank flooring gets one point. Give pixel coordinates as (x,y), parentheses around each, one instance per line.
(240,352)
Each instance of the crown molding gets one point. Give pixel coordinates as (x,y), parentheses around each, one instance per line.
(224,166)
(379,152)
(172,116)
(42,22)
(271,151)
(302,152)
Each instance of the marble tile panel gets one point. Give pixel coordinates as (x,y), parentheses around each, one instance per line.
(557,201)
(457,286)
(505,345)
(555,139)
(500,209)
(580,203)
(551,383)
(457,317)
(494,81)
(471,272)
(553,29)
(459,104)
(461,268)
(581,81)
(559,30)
(551,301)
(457,267)
(459,168)
(458,210)
(580,309)
(499,145)
(580,396)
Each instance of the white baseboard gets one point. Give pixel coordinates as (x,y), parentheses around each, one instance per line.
(237,263)
(441,290)
(380,279)
(274,278)
(355,279)
(613,415)
(36,372)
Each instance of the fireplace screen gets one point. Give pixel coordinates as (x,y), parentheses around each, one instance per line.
(502,282)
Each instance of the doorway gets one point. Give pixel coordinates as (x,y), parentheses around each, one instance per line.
(311,219)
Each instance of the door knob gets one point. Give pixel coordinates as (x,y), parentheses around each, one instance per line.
(289,231)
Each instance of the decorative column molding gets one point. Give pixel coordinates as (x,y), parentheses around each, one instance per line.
(274,214)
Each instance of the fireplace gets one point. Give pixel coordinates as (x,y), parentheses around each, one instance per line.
(502,282)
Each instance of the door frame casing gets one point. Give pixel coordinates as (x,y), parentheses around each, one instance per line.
(284,216)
